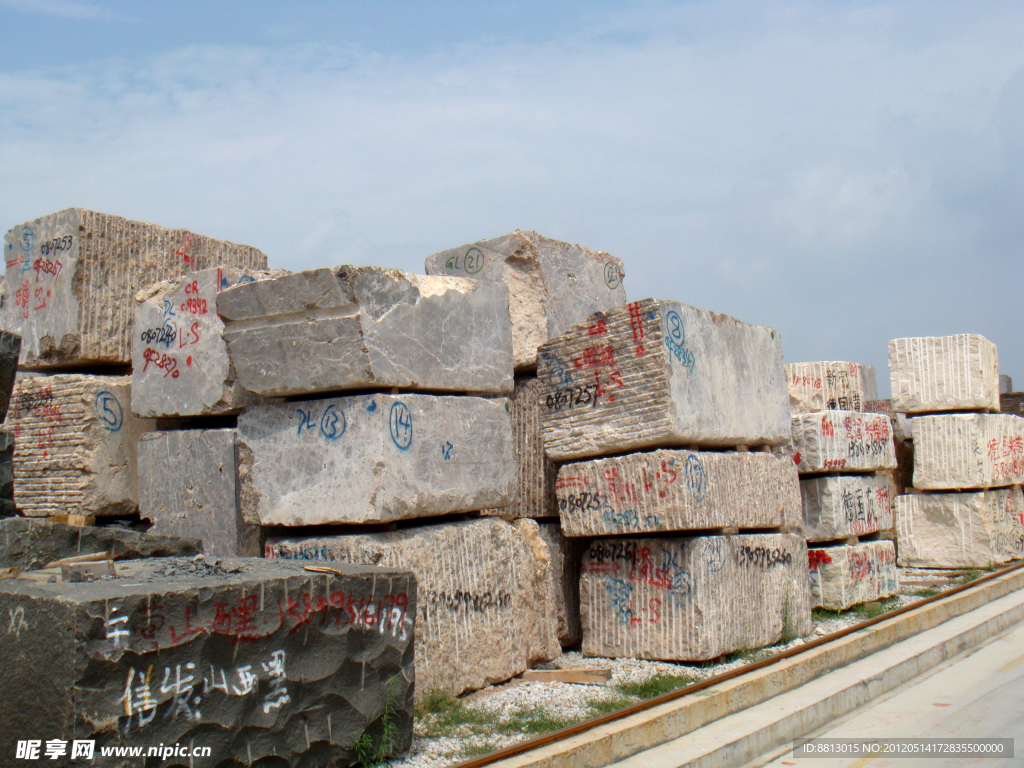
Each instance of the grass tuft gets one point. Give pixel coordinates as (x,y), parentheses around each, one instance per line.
(655,686)
(926,592)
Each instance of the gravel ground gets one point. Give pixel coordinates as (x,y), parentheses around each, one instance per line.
(574,701)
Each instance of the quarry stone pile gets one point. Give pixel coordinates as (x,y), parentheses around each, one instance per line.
(251,658)
(180,364)
(848,575)
(692,599)
(967,450)
(838,506)
(678,490)
(374,458)
(661,374)
(72,277)
(944,373)
(188,487)
(484,611)
(960,530)
(75,445)
(823,386)
(326,330)
(552,285)
(842,441)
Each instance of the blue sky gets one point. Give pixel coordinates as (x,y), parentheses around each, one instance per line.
(845,172)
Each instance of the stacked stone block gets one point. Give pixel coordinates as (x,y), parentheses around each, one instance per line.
(844,576)
(823,386)
(10,348)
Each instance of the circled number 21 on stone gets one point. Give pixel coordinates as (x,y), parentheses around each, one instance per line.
(471,262)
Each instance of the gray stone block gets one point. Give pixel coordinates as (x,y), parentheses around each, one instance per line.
(10,349)
(960,530)
(188,487)
(849,575)
(367,327)
(677,490)
(75,448)
(843,441)
(72,278)
(29,543)
(374,458)
(692,599)
(1005,384)
(484,604)
(967,450)
(552,285)
(944,373)
(7,507)
(251,658)
(180,364)
(824,386)
(661,374)
(837,506)
(566,561)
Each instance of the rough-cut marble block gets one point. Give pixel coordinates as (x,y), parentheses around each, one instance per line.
(837,506)
(678,490)
(7,507)
(374,458)
(830,386)
(367,327)
(484,601)
(75,445)
(960,530)
(261,661)
(552,285)
(10,348)
(661,374)
(72,278)
(900,422)
(188,486)
(691,599)
(180,364)
(967,450)
(848,575)
(843,441)
(566,560)
(944,373)
(1005,384)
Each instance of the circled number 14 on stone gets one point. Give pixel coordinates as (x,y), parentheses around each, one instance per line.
(400,423)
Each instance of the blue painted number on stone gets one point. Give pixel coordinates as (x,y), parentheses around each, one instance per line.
(333,423)
(109,411)
(696,480)
(400,423)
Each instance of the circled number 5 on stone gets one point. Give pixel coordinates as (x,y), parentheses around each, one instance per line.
(109,411)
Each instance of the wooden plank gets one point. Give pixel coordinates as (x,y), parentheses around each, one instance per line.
(92,558)
(578,676)
(75,520)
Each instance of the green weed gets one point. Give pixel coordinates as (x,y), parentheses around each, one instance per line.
(655,686)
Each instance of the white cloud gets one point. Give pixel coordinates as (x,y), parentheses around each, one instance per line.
(67,9)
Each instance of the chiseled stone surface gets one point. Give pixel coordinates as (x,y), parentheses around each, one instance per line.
(7,507)
(843,441)
(552,285)
(678,490)
(661,374)
(10,348)
(824,386)
(944,373)
(960,530)
(566,561)
(691,599)
(374,458)
(848,575)
(967,450)
(368,327)
(180,364)
(188,487)
(837,506)
(72,278)
(484,598)
(251,658)
(75,444)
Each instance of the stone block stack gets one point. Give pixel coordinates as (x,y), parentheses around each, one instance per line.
(70,288)
(663,414)
(966,508)
(10,348)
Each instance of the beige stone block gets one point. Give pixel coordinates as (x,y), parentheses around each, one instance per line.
(944,373)
(566,560)
(849,575)
(967,450)
(843,441)
(830,386)
(837,506)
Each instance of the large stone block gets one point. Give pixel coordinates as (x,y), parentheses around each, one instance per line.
(843,441)
(566,561)
(691,599)
(960,530)
(10,349)
(188,487)
(368,327)
(848,575)
(7,506)
(552,285)
(484,595)
(944,373)
(180,364)
(830,386)
(661,374)
(72,278)
(837,506)
(261,661)
(967,450)
(374,458)
(75,447)
(677,490)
